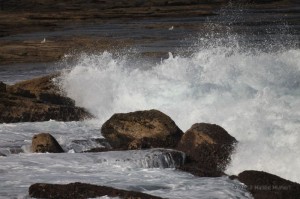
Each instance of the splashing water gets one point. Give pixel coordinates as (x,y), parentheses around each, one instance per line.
(254,94)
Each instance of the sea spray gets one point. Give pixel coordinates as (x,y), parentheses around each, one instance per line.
(252,93)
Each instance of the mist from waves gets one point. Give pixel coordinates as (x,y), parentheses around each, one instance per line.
(253,91)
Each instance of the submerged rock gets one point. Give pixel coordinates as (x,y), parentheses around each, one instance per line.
(208,148)
(81,190)
(140,130)
(38,99)
(264,185)
(45,142)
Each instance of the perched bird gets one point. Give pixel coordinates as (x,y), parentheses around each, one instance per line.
(44,41)
(171,28)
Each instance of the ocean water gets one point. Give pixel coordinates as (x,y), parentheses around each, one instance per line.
(252,92)
(245,82)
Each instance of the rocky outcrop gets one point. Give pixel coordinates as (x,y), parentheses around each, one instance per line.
(264,185)
(38,100)
(82,191)
(140,130)
(45,142)
(208,148)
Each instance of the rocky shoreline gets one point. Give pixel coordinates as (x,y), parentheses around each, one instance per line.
(207,147)
(35,100)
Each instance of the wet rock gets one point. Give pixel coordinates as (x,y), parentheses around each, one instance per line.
(264,185)
(38,99)
(54,98)
(81,190)
(36,85)
(44,142)
(208,148)
(2,87)
(22,93)
(140,130)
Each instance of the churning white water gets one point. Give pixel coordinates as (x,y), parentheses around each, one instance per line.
(249,85)
(253,93)
(149,171)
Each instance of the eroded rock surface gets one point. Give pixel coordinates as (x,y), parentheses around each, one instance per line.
(45,142)
(38,100)
(140,130)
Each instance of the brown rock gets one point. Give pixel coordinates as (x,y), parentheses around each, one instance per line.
(141,129)
(37,85)
(264,185)
(208,148)
(2,87)
(38,99)
(80,191)
(44,142)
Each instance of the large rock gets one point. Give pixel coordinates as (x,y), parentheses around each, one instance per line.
(141,129)
(38,99)
(264,185)
(44,142)
(208,148)
(82,191)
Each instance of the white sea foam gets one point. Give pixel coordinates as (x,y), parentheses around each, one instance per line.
(254,94)
(18,172)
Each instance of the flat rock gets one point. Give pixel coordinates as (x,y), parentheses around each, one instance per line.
(140,130)
(38,100)
(45,142)
(81,190)
(264,185)
(208,148)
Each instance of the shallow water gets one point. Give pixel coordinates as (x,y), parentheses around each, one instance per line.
(21,170)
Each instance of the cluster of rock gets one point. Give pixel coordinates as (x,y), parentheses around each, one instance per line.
(38,99)
(208,148)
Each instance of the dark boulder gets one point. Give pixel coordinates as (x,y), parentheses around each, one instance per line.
(55,98)
(140,130)
(81,191)
(264,185)
(208,148)
(44,142)
(38,99)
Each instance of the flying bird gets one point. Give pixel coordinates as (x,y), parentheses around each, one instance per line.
(171,28)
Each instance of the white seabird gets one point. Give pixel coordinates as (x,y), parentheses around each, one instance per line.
(44,41)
